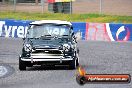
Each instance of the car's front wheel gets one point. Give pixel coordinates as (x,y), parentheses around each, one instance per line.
(73,64)
(77,62)
(22,65)
(77,59)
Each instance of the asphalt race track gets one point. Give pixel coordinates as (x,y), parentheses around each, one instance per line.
(96,57)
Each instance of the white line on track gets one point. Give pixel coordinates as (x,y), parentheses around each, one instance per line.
(3,71)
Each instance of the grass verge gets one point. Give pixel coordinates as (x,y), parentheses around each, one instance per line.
(69,17)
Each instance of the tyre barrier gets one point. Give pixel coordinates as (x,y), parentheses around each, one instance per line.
(83,30)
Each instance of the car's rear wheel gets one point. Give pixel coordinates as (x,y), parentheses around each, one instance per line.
(22,65)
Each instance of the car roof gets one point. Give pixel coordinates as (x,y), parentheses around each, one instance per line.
(50,22)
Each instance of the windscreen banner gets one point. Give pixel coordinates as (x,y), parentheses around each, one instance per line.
(83,30)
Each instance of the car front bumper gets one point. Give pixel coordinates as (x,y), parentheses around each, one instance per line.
(33,59)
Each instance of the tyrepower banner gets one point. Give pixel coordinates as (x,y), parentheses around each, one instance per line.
(108,32)
(83,30)
(13,28)
(79,29)
(119,32)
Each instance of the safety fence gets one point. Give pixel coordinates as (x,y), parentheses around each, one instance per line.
(83,30)
(112,7)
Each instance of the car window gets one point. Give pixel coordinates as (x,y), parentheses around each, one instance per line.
(48,29)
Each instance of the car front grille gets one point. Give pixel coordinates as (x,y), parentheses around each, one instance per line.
(47,52)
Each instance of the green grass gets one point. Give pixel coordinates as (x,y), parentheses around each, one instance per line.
(69,17)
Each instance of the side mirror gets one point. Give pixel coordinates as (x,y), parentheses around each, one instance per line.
(78,35)
(24,38)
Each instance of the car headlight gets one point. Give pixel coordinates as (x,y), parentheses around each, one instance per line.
(66,47)
(27,47)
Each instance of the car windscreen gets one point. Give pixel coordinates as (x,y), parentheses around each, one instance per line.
(37,31)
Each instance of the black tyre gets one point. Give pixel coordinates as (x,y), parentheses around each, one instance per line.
(77,59)
(73,64)
(28,64)
(22,65)
(77,62)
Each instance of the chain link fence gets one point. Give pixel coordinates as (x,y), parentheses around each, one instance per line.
(23,6)
(113,7)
